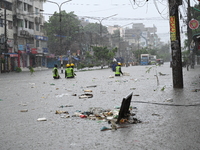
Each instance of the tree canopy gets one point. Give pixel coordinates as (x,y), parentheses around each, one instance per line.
(61,28)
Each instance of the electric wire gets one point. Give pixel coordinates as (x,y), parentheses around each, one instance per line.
(166,104)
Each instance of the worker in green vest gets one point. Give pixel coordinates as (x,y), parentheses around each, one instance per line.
(118,70)
(68,71)
(72,66)
(55,72)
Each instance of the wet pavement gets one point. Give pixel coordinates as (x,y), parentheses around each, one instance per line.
(170,117)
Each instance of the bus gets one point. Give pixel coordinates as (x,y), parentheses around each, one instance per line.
(144,59)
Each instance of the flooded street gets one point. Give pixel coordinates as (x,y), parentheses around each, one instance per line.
(170,117)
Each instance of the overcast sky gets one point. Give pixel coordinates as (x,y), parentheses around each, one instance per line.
(153,12)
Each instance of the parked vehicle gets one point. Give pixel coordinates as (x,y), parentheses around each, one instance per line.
(144,59)
(152,60)
(160,61)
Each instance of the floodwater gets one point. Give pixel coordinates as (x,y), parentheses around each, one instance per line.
(170,117)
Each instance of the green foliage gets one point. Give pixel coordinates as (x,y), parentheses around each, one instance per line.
(62,29)
(31,70)
(138,52)
(103,54)
(185,55)
(81,66)
(163,88)
(148,69)
(18,69)
(95,28)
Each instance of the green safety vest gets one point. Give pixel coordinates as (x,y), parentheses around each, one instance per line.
(54,70)
(69,72)
(117,70)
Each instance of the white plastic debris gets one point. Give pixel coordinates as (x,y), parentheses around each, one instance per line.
(42,119)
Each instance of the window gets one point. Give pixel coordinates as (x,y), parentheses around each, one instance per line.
(37,43)
(10,24)
(41,28)
(20,23)
(30,26)
(26,24)
(1,22)
(37,27)
(36,11)
(25,7)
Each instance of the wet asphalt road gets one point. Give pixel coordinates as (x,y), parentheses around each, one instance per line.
(168,122)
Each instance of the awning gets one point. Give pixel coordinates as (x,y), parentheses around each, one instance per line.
(64,59)
(75,58)
(11,54)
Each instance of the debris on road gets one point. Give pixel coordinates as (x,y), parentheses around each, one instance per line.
(87,90)
(24,110)
(111,76)
(82,96)
(66,106)
(62,95)
(169,100)
(126,74)
(196,90)
(162,74)
(42,119)
(32,85)
(91,86)
(61,112)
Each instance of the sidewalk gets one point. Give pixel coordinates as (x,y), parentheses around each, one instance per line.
(36,69)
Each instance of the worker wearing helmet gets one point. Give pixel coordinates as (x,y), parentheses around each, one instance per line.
(72,66)
(68,71)
(55,72)
(118,70)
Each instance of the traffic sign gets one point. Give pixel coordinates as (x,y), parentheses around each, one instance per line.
(193,24)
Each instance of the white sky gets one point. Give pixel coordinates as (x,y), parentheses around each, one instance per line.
(153,12)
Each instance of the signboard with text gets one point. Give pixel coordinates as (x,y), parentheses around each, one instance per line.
(172,28)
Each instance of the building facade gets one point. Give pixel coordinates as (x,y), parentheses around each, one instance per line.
(23,41)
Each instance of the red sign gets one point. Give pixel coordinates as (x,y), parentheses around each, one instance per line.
(193,24)
(13,55)
(34,50)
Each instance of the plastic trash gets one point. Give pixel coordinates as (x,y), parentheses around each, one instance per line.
(87,90)
(42,119)
(83,116)
(104,128)
(24,110)
(91,86)
(111,76)
(85,96)
(61,112)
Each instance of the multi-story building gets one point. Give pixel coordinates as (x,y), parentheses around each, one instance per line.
(23,38)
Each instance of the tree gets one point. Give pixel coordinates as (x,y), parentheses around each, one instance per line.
(65,31)
(95,28)
(93,31)
(103,54)
(164,52)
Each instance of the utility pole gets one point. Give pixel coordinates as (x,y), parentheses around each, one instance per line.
(5,28)
(175,44)
(189,32)
(60,20)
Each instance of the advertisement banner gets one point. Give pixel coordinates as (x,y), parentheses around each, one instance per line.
(172,28)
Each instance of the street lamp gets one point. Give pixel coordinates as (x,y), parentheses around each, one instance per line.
(100,21)
(59,6)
